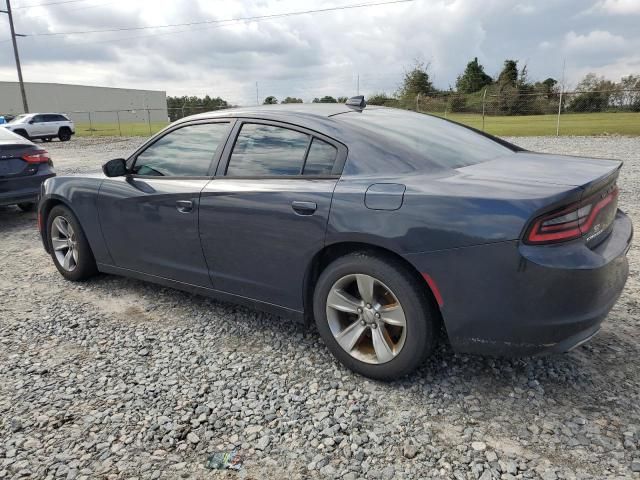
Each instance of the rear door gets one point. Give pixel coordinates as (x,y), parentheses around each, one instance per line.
(149,219)
(265,214)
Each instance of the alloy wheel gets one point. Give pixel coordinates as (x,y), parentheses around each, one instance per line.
(64,243)
(366,318)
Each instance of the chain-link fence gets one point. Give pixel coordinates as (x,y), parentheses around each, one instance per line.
(144,121)
(538,113)
(507,113)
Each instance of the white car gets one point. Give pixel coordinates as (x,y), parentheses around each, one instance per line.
(45,126)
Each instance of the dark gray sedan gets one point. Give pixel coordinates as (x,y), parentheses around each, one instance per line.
(23,168)
(384,226)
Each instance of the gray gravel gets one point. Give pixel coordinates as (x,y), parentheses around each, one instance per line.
(115,378)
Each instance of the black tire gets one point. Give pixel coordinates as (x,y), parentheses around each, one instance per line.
(86,264)
(22,133)
(64,134)
(419,311)
(26,206)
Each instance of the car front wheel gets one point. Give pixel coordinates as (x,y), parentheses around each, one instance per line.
(69,247)
(374,315)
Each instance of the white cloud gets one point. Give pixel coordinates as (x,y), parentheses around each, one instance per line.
(597,40)
(618,7)
(309,55)
(524,8)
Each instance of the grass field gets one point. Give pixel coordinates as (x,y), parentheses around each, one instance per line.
(530,125)
(125,129)
(539,125)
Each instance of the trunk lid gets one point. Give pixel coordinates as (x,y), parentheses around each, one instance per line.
(545,168)
(590,183)
(11,162)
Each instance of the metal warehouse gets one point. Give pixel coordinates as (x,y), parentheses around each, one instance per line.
(79,100)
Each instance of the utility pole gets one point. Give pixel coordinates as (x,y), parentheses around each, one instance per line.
(358,86)
(257,99)
(15,53)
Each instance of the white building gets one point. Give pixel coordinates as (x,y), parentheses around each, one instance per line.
(78,100)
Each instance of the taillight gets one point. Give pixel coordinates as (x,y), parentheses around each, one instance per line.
(570,222)
(39,156)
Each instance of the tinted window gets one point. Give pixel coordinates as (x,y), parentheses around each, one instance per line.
(50,118)
(38,118)
(265,150)
(186,152)
(320,159)
(438,141)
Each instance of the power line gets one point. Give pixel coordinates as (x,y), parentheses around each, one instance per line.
(48,4)
(23,13)
(203,22)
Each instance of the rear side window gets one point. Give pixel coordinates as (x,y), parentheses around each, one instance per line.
(267,150)
(320,159)
(185,152)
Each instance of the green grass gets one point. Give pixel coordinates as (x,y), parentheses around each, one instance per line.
(111,129)
(504,126)
(570,124)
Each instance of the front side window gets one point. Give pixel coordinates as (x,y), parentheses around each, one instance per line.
(267,150)
(185,152)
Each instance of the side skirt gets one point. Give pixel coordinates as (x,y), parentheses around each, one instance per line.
(206,292)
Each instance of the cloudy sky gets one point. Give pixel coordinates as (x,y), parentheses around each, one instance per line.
(316,54)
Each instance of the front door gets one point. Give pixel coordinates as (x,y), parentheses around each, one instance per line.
(149,218)
(38,127)
(265,214)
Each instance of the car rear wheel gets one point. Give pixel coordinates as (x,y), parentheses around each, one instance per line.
(26,206)
(64,135)
(374,316)
(69,247)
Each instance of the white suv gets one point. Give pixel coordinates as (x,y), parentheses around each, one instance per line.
(42,125)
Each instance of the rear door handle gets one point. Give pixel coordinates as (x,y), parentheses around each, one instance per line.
(184,206)
(304,208)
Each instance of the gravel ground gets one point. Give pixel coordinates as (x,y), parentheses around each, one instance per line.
(115,378)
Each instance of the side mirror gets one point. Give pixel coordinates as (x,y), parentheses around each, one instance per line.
(115,168)
(31,122)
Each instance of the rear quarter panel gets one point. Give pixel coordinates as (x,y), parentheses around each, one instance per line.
(439,211)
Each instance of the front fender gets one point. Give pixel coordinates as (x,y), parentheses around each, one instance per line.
(79,194)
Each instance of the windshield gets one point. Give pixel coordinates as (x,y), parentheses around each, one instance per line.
(18,119)
(441,143)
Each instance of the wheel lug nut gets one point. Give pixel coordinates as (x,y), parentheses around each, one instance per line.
(374,326)
(359,309)
(377,315)
(368,305)
(363,323)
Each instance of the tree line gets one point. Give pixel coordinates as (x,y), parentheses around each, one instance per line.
(511,92)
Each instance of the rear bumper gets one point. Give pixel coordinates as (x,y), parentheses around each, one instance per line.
(22,189)
(511,299)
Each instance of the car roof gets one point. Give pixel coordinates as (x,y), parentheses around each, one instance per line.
(314,110)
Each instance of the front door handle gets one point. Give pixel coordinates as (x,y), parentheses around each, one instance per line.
(304,208)
(184,206)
